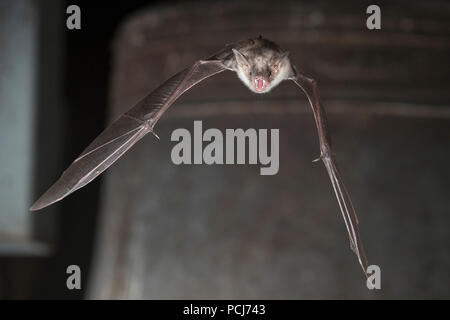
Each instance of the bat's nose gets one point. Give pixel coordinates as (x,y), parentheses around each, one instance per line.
(260,84)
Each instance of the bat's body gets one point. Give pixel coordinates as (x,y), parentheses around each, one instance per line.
(261,65)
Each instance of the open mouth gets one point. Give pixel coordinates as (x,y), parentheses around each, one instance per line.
(259,84)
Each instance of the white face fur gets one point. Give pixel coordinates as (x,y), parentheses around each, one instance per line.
(263,70)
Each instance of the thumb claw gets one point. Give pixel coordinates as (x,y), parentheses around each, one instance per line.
(315,160)
(154,133)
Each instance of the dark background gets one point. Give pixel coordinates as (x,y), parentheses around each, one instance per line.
(74,70)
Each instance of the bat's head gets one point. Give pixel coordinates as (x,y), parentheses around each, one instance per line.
(261,64)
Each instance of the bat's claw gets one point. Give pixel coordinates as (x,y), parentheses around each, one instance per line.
(154,133)
(315,160)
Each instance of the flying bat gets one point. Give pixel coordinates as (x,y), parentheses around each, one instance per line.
(261,65)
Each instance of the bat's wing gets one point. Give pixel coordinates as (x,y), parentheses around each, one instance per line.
(127,130)
(309,86)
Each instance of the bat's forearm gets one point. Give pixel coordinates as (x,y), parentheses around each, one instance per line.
(309,86)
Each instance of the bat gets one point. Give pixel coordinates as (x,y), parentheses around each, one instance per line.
(261,65)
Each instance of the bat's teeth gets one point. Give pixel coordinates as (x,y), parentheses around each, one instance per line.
(260,84)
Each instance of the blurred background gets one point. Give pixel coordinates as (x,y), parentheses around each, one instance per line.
(148,229)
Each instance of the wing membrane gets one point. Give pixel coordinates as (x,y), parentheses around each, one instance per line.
(309,86)
(121,135)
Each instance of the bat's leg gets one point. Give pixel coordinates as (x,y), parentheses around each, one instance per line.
(309,86)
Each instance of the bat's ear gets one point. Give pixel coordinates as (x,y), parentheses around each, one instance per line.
(240,58)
